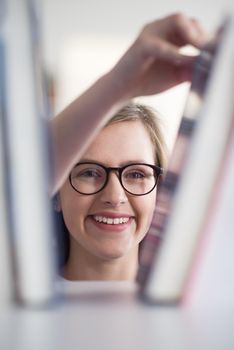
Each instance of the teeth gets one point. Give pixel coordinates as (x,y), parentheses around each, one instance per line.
(111,221)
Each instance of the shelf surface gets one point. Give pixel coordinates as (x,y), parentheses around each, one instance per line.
(110,315)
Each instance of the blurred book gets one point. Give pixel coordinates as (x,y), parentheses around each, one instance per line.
(211,280)
(167,187)
(27,146)
(184,195)
(6,273)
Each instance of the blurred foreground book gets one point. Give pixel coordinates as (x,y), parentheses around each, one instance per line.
(186,193)
(27,150)
(6,286)
(211,280)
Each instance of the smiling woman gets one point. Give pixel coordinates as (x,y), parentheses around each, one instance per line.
(107,202)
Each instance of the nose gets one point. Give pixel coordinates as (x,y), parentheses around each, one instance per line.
(113,194)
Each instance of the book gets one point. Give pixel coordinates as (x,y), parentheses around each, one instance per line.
(167,257)
(167,188)
(211,280)
(27,147)
(6,272)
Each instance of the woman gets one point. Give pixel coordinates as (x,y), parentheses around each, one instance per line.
(104,216)
(152,64)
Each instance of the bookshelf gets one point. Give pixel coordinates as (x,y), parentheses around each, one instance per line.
(109,315)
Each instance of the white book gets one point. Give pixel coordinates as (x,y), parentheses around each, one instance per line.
(30,211)
(171,266)
(211,281)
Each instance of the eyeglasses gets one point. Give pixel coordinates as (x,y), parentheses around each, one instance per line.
(137,179)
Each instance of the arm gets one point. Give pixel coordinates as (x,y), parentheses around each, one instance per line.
(74,128)
(151,65)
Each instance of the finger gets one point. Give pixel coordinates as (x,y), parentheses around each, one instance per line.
(189,31)
(184,74)
(164,50)
(180,30)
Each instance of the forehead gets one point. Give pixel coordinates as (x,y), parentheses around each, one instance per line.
(120,143)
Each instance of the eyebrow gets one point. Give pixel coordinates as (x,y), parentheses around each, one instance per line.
(86,160)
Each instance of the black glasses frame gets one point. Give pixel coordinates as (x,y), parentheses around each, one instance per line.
(119,170)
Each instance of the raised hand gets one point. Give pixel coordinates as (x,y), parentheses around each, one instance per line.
(154,62)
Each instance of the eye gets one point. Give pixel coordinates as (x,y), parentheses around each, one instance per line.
(89,173)
(135,175)
(138,172)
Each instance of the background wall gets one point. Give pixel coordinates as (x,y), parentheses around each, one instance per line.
(83,39)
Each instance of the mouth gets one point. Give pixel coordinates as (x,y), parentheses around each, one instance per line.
(111,221)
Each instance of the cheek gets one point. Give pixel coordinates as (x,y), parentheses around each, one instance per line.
(145,210)
(75,211)
(149,209)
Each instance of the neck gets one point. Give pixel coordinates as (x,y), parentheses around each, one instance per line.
(82,265)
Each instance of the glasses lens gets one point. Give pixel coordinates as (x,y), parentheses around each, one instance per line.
(88,178)
(138,179)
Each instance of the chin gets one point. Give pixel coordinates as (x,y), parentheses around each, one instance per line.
(112,253)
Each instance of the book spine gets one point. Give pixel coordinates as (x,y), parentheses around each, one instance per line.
(168,186)
(193,196)
(30,211)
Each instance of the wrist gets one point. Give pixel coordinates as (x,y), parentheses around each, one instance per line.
(116,87)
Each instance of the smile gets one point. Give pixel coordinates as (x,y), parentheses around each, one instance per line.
(111,221)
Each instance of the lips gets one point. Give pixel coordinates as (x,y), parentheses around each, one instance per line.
(113,221)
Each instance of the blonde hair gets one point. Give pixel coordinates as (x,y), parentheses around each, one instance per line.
(149,118)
